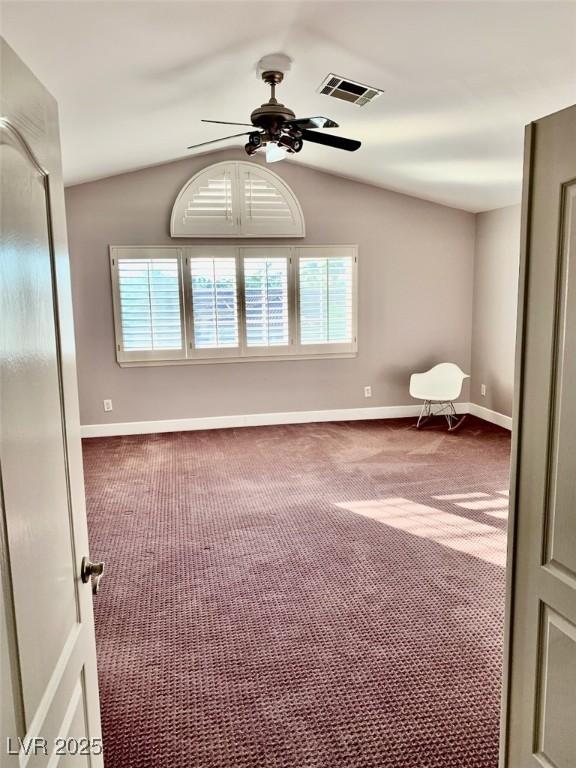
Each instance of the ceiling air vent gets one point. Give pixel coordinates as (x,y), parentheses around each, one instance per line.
(348,90)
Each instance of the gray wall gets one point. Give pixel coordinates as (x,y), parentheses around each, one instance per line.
(416,262)
(495,303)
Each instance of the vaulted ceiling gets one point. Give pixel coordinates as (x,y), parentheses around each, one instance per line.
(461,80)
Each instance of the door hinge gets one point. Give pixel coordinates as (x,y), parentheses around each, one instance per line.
(118,347)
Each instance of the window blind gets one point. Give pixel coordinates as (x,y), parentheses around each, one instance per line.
(227,303)
(149,291)
(266,299)
(263,201)
(210,199)
(325,300)
(214,302)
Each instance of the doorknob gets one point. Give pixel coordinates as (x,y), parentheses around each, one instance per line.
(93,571)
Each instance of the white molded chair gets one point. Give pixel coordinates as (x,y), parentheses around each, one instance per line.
(439,386)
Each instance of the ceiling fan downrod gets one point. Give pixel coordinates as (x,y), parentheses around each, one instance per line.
(271,115)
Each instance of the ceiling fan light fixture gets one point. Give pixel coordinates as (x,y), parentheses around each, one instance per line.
(275,152)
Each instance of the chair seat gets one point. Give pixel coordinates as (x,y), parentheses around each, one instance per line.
(441,383)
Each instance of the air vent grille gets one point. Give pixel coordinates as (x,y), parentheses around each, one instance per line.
(348,90)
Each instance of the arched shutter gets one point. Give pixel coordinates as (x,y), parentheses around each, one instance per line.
(268,207)
(236,199)
(205,206)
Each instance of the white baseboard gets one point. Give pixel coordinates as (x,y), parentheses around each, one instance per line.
(492,416)
(255,420)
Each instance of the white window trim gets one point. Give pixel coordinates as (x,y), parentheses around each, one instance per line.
(189,355)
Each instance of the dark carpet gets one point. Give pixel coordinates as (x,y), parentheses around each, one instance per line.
(302,596)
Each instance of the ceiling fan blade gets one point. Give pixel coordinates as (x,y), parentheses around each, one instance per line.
(313,122)
(214,141)
(338,142)
(224,122)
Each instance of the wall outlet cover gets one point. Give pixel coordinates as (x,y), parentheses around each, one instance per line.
(368,391)
(107,405)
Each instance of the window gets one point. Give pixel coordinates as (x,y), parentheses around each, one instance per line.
(236,199)
(325,297)
(148,304)
(266,301)
(214,302)
(204,303)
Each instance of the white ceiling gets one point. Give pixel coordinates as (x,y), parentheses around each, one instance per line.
(461,78)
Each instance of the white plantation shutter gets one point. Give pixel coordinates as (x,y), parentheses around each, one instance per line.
(268,205)
(263,201)
(266,300)
(206,205)
(149,302)
(210,200)
(326,288)
(196,303)
(214,302)
(236,199)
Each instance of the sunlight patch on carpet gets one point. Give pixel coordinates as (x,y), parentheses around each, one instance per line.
(484,504)
(458,496)
(445,528)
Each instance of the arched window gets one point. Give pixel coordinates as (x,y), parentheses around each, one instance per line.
(236,199)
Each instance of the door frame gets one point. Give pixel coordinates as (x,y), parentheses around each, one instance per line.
(516,441)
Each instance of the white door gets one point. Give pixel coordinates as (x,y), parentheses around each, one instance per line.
(49,691)
(539,727)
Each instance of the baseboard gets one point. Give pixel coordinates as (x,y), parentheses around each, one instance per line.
(254,420)
(493,416)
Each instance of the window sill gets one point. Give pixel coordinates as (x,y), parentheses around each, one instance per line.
(258,359)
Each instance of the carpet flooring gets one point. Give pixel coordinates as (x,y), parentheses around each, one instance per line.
(303,596)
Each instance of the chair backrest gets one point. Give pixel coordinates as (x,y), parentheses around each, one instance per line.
(442,382)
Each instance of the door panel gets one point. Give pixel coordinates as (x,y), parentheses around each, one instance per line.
(561,531)
(40,532)
(73,747)
(556,737)
(540,689)
(47,609)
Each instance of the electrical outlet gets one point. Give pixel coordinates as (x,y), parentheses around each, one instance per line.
(483,390)
(107,405)
(368,391)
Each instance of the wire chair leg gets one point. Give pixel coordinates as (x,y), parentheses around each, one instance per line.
(455,422)
(425,413)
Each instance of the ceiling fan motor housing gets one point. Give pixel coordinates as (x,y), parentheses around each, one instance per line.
(271,115)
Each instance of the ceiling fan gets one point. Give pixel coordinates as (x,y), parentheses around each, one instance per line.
(279,130)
